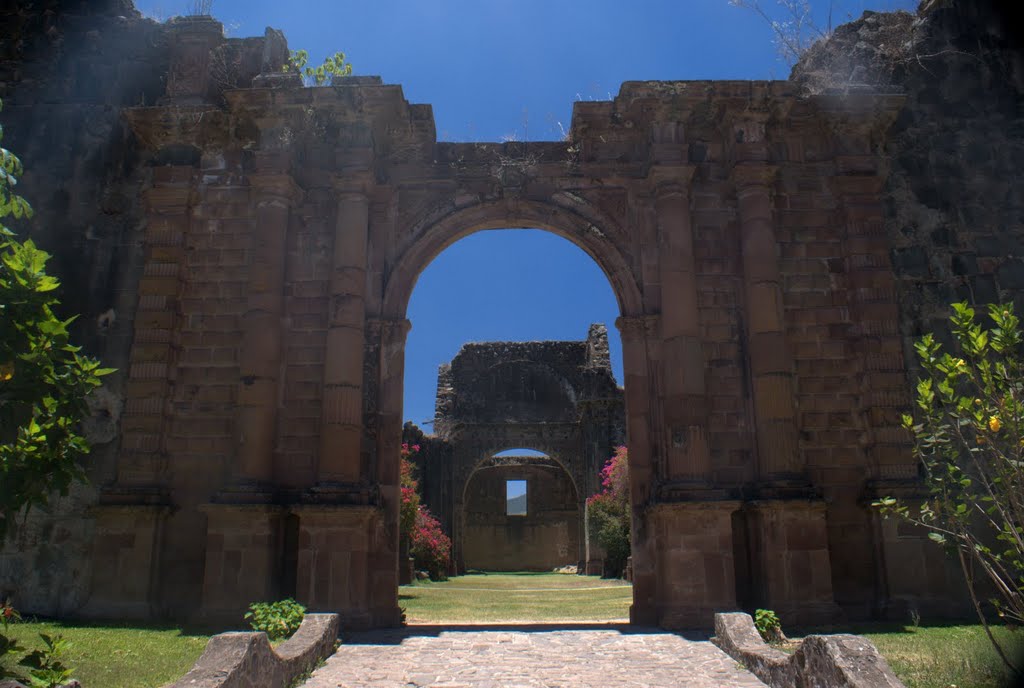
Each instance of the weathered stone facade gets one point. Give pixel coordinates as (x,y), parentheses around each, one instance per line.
(257,243)
(559,398)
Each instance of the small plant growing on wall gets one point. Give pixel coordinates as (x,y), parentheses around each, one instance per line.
(332,66)
(768,625)
(277,619)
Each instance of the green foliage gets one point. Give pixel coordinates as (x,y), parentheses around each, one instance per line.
(968,431)
(44,665)
(9,646)
(43,378)
(608,513)
(332,66)
(277,619)
(767,624)
(114,655)
(45,669)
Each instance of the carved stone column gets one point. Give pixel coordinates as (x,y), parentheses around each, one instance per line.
(393,334)
(771,363)
(685,402)
(260,350)
(636,331)
(786,529)
(341,424)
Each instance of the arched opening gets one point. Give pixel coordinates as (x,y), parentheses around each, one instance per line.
(514,415)
(521,512)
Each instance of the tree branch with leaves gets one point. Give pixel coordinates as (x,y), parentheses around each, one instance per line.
(44,379)
(968,430)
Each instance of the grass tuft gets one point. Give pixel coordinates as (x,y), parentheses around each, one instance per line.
(499,597)
(119,656)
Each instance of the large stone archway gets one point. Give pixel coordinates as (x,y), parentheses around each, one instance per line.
(740,226)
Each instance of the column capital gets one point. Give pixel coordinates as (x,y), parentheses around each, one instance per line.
(388,329)
(671,180)
(752,175)
(351,186)
(639,327)
(275,188)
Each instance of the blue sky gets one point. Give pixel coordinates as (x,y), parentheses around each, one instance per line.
(494,69)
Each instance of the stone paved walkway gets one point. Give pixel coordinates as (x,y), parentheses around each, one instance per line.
(549,656)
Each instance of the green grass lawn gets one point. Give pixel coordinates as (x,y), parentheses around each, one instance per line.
(498,597)
(118,656)
(941,656)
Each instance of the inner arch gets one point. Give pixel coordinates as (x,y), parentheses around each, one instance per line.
(582,226)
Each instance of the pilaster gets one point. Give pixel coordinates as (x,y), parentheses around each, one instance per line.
(244,558)
(696,568)
(126,552)
(341,424)
(790,566)
(260,350)
(771,363)
(685,405)
(344,565)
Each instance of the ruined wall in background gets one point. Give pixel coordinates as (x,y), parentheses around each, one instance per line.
(547,536)
(559,398)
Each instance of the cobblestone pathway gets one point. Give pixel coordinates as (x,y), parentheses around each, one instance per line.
(527,657)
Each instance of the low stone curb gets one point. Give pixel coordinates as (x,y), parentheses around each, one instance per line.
(821,661)
(246,660)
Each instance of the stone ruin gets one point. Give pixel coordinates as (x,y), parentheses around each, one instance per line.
(558,398)
(242,248)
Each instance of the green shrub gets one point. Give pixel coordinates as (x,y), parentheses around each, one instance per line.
(768,625)
(277,619)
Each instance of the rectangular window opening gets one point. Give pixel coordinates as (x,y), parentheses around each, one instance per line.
(515,497)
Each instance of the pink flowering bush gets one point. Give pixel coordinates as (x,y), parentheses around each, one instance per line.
(609,513)
(430,548)
(410,491)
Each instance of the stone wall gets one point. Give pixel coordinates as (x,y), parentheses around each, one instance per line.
(548,536)
(954,213)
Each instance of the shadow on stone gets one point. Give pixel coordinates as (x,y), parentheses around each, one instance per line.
(821,661)
(242,660)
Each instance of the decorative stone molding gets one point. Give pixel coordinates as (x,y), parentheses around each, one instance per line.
(242,660)
(821,661)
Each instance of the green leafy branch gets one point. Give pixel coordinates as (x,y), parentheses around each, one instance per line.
(333,66)
(968,430)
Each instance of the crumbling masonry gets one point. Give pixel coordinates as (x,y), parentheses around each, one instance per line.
(243,249)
